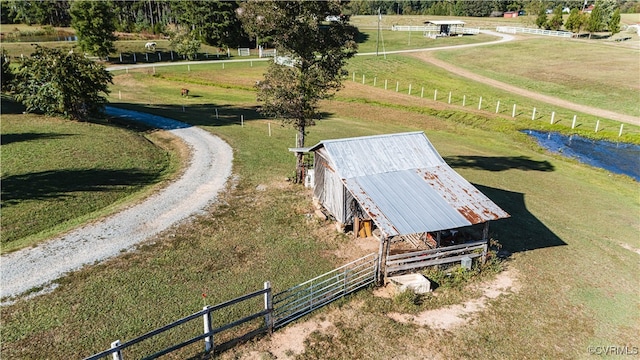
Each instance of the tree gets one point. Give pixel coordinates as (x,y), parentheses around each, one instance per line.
(594,22)
(575,21)
(212,22)
(555,23)
(541,19)
(185,44)
(317,49)
(614,23)
(94,22)
(607,8)
(57,83)
(6,75)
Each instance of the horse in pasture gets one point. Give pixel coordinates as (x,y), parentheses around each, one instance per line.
(151,46)
(184,92)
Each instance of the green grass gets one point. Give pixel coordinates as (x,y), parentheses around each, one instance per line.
(427,80)
(403,40)
(57,174)
(568,224)
(607,78)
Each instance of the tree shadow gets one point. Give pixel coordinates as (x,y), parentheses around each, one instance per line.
(60,184)
(522,231)
(9,106)
(500,163)
(6,139)
(200,114)
(361,37)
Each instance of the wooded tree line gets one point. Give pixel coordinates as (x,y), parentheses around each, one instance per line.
(153,16)
(471,8)
(212,22)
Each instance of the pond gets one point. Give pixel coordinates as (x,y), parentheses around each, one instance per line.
(58,36)
(619,158)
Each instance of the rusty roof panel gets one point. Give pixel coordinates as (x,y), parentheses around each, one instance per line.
(402,182)
(400,203)
(462,195)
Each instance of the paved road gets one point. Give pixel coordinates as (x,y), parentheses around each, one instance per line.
(199,185)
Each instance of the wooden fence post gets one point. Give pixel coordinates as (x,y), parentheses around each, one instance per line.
(375,80)
(422,92)
(513,113)
(385,84)
(573,123)
(268,306)
(409,89)
(464,100)
(397,86)
(449,101)
(354,77)
(498,107)
(533,116)
(480,103)
(435,94)
(363,79)
(118,354)
(553,115)
(620,132)
(208,341)
(597,125)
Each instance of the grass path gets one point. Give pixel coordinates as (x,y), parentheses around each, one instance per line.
(530,94)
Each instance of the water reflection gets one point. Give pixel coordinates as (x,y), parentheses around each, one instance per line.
(619,158)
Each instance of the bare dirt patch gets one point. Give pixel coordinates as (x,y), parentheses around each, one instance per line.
(456,315)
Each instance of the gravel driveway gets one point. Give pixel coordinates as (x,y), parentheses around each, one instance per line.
(210,166)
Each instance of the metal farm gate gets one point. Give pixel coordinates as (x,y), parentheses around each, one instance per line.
(306,297)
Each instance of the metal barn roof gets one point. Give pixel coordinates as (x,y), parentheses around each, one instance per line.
(406,187)
(445,22)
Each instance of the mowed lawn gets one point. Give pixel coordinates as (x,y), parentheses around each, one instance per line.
(57,174)
(605,75)
(572,236)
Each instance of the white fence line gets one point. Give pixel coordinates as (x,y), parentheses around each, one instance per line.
(519,30)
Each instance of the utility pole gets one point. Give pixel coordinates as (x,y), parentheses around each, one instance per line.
(378,37)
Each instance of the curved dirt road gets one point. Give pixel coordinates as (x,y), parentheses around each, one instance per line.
(199,185)
(425,56)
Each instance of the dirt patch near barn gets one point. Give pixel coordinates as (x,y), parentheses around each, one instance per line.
(456,315)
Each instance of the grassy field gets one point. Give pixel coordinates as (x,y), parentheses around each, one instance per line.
(572,234)
(57,174)
(607,78)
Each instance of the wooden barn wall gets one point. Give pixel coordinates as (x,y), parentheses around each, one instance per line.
(328,188)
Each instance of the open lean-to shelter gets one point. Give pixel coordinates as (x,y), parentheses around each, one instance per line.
(400,186)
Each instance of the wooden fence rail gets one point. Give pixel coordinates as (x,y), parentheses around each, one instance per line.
(424,258)
(116,347)
(279,309)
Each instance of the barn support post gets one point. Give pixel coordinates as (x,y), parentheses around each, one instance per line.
(485,238)
(381,261)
